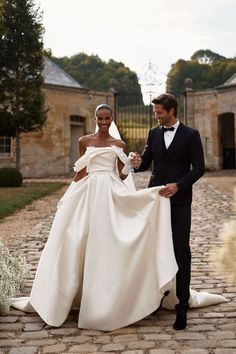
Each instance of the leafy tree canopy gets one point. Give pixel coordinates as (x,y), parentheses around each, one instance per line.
(95,74)
(206,56)
(206,69)
(21,65)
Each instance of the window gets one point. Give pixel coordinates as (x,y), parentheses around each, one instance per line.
(5,145)
(77,120)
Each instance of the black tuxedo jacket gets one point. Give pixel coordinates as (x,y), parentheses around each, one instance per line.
(182,162)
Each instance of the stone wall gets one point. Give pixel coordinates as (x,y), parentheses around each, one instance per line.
(203,109)
(47,152)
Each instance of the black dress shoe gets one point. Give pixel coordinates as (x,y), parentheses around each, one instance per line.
(181,321)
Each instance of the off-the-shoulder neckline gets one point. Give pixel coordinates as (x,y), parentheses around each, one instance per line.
(104,147)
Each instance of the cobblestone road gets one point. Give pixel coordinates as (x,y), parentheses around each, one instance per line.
(211,330)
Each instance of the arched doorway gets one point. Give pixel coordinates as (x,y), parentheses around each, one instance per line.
(77,129)
(227,140)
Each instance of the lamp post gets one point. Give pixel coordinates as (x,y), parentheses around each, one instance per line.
(115,104)
(188,83)
(113,90)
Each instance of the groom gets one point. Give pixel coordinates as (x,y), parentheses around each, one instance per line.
(178,162)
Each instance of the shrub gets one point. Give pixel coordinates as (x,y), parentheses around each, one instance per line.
(13,271)
(10,177)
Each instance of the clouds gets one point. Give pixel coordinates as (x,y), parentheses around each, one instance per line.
(138,31)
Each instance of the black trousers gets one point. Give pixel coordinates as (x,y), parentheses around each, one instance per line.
(181,224)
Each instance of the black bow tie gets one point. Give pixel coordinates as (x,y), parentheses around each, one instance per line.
(166,129)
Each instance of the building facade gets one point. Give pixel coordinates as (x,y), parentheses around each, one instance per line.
(53,150)
(213,113)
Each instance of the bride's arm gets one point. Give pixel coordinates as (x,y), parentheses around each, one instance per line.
(82,148)
(123,168)
(120,168)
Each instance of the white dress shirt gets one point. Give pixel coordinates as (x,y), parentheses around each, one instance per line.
(169,134)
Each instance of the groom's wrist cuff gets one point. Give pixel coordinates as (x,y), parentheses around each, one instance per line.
(178,185)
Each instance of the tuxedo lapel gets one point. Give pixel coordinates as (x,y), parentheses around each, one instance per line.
(160,144)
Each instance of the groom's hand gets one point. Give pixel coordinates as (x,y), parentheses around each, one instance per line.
(136,160)
(169,190)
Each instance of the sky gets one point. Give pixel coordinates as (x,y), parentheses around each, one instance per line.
(148,36)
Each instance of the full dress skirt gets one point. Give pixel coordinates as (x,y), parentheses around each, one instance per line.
(109,252)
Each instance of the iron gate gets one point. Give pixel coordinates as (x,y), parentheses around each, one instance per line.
(134,122)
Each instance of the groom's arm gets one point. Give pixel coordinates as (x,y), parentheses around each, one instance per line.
(197,162)
(147,155)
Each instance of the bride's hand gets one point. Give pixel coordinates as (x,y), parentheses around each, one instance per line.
(127,168)
(79,175)
(135,159)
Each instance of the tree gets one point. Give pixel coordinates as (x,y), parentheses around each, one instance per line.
(222,71)
(21,65)
(183,69)
(206,68)
(95,74)
(206,56)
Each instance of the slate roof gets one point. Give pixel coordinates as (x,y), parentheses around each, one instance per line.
(54,75)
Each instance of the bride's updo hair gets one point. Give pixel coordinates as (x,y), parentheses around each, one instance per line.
(103,106)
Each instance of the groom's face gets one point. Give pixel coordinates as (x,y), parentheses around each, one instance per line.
(161,114)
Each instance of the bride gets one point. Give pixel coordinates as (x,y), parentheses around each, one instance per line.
(110,251)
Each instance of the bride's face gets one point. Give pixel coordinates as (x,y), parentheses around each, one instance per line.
(104,119)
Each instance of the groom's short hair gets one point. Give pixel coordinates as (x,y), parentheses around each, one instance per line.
(168,101)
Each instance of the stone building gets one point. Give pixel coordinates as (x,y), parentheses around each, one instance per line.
(213,113)
(54,149)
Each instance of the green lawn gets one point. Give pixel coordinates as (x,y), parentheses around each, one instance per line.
(12,199)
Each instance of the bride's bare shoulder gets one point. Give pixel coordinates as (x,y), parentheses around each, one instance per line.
(86,140)
(119,143)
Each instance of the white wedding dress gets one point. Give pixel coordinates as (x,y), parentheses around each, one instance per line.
(109,252)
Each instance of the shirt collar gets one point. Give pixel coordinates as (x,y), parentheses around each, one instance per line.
(174,126)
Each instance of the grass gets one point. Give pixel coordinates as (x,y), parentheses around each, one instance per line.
(12,199)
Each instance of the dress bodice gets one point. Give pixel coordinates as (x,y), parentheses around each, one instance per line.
(104,162)
(100,159)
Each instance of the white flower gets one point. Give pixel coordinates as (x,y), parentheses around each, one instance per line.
(13,271)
